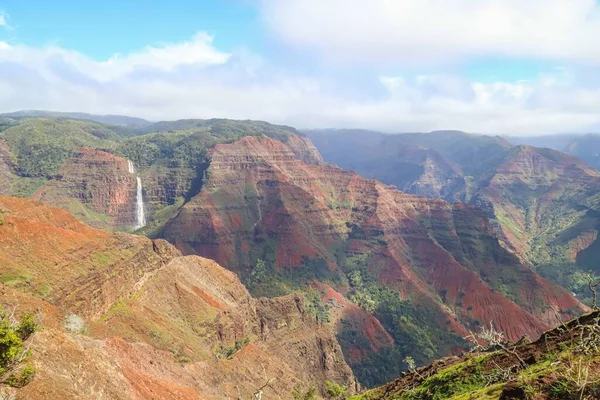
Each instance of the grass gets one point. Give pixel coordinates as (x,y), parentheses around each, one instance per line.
(26,187)
(564,363)
(160,217)
(16,280)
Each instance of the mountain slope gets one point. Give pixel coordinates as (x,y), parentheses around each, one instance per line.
(385,250)
(124,317)
(543,203)
(435,164)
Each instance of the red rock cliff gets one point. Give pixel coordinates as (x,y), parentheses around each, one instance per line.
(257,189)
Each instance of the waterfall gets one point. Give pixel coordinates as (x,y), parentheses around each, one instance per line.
(140,213)
(139,205)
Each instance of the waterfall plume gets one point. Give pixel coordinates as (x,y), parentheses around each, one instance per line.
(140,213)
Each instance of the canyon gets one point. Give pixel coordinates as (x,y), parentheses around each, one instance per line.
(319,256)
(543,203)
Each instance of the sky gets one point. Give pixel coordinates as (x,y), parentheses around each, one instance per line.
(486,66)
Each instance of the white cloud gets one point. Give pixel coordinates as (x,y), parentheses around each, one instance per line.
(423,31)
(195,80)
(4,20)
(4,46)
(199,52)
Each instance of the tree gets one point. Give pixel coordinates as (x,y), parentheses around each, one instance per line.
(13,353)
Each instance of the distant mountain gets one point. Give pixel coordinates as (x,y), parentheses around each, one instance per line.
(556,142)
(587,148)
(119,120)
(435,164)
(544,203)
(583,146)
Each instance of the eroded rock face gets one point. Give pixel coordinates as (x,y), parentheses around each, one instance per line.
(157,325)
(94,181)
(535,194)
(305,150)
(258,194)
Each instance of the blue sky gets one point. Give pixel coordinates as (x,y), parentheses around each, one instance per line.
(493,66)
(102,28)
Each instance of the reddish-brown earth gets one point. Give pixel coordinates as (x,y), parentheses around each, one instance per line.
(154,321)
(257,194)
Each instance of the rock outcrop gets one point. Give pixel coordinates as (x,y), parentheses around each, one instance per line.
(92,183)
(305,150)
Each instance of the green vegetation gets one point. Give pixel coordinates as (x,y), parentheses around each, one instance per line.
(14,369)
(223,128)
(304,394)
(335,391)
(42,145)
(265,280)
(564,363)
(188,141)
(314,306)
(160,217)
(416,331)
(25,187)
(228,352)
(462,378)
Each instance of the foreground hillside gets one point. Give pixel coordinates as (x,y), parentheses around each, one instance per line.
(564,363)
(543,202)
(124,317)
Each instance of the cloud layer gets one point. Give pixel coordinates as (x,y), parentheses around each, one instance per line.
(194,79)
(417,32)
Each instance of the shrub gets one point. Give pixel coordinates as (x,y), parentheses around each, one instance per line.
(335,391)
(74,324)
(228,352)
(300,394)
(13,334)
